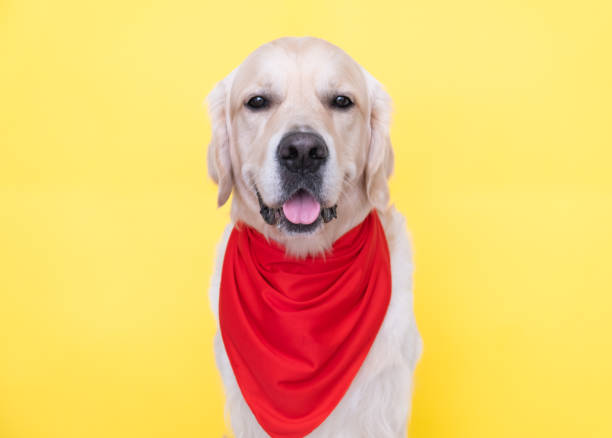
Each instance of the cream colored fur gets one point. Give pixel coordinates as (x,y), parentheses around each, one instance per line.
(300,71)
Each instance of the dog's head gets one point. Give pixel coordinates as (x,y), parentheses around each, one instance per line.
(300,133)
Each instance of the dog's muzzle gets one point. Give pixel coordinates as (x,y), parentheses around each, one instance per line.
(302,157)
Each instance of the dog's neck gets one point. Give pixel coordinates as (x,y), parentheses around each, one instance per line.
(352,209)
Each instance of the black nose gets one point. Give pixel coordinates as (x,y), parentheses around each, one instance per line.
(302,152)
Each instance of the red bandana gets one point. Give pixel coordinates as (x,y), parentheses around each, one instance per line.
(297,331)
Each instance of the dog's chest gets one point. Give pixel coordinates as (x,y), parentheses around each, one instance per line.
(377,402)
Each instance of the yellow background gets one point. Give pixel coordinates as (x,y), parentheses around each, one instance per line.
(502,132)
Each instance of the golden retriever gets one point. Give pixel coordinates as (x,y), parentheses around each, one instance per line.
(309,94)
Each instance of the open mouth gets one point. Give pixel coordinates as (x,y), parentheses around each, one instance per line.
(301,212)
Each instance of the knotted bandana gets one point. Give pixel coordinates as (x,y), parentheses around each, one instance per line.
(296,331)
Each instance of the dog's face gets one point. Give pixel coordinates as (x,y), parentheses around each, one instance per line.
(300,133)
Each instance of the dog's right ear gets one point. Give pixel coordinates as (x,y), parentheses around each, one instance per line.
(380,161)
(219,162)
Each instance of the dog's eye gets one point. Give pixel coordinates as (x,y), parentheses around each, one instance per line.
(257,102)
(341,102)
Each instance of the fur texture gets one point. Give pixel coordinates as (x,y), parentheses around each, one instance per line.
(299,76)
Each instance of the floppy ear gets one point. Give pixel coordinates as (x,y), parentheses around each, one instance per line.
(219,162)
(379,165)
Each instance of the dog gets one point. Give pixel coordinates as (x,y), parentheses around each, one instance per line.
(300,136)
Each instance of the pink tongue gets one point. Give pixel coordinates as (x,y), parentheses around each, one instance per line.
(302,208)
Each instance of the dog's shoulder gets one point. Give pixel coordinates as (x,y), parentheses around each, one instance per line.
(400,316)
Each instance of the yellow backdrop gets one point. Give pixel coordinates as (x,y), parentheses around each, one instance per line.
(502,132)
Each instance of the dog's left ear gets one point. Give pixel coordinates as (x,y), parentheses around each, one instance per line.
(379,166)
(219,161)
